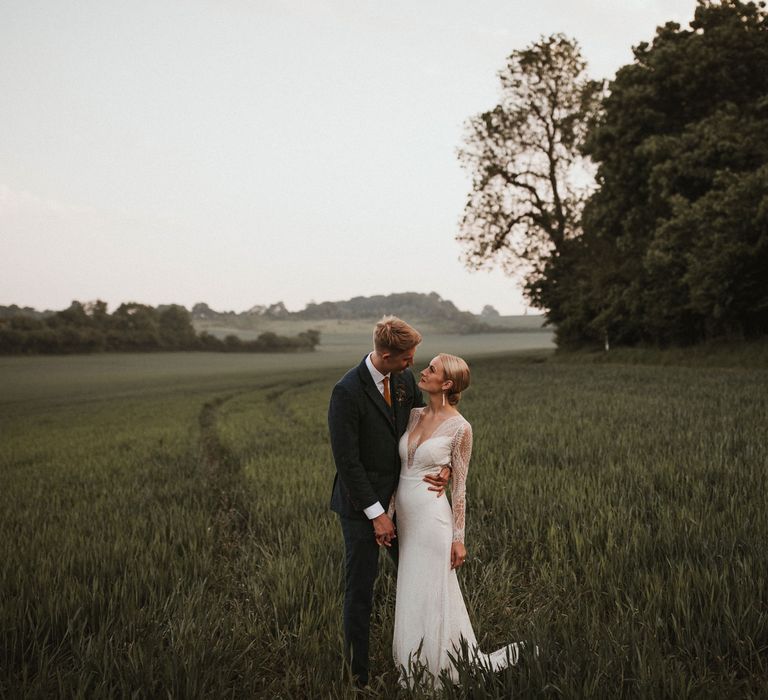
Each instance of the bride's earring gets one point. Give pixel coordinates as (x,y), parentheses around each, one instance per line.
(443,398)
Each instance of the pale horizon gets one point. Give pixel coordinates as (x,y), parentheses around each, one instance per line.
(245,153)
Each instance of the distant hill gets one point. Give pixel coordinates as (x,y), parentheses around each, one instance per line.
(426,309)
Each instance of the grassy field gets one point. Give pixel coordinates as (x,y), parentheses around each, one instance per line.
(251,326)
(166,531)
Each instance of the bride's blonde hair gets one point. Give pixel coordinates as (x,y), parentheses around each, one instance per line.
(457,370)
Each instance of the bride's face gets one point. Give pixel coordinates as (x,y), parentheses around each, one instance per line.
(432,377)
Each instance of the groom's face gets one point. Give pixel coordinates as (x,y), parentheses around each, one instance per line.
(399,361)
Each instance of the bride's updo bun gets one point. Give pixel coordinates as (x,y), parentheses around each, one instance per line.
(457,371)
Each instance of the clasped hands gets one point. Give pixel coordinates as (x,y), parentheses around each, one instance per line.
(384,528)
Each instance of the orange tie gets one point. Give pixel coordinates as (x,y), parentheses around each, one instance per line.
(387,396)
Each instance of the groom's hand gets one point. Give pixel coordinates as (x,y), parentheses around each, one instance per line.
(438,482)
(384,529)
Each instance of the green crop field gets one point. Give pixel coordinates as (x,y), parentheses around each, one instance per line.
(165,527)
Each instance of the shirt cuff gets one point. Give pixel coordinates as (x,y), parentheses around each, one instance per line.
(373,511)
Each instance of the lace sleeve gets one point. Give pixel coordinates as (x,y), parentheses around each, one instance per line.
(461,451)
(391,508)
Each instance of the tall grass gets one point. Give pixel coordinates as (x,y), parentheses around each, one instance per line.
(176,539)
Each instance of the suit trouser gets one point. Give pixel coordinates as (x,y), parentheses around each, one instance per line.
(361,567)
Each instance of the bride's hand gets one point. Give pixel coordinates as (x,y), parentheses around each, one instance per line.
(384,530)
(458,554)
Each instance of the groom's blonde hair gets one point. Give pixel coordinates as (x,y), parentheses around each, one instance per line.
(392,334)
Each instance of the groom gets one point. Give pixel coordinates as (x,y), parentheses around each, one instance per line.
(367,415)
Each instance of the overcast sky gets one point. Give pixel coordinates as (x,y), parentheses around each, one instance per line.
(242,152)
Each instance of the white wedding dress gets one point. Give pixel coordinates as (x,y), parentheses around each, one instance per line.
(430,615)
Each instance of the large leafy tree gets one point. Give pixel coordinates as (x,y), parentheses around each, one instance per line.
(675,242)
(529,179)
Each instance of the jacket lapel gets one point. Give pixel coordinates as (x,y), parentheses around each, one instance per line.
(395,386)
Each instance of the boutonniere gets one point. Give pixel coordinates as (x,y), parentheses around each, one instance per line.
(401,395)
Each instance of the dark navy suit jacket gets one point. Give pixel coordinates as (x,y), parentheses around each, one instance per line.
(365,433)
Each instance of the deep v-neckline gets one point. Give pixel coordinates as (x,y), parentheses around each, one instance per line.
(413,448)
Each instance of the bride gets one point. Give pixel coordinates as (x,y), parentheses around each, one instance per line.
(431,620)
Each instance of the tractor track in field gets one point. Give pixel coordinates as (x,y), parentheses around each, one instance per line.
(276,396)
(222,472)
(222,469)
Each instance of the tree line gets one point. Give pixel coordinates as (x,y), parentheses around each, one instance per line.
(635,211)
(130,328)
(415,306)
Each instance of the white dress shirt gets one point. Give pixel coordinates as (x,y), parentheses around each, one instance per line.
(375,510)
